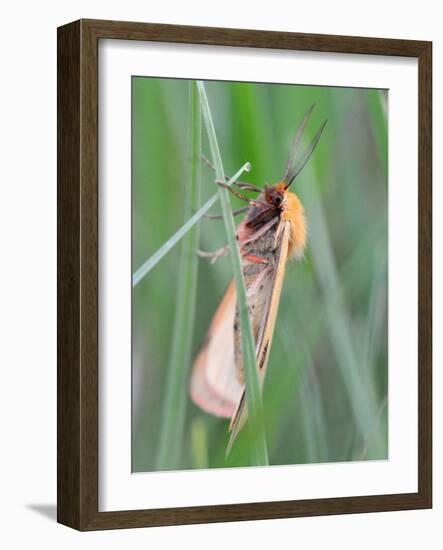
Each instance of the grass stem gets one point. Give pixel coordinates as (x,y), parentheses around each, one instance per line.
(174,404)
(259,451)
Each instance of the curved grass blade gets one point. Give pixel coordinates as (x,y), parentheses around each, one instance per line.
(145,268)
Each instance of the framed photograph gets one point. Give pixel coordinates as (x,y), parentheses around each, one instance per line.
(244,274)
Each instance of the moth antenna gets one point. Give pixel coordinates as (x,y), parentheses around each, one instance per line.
(295,146)
(300,164)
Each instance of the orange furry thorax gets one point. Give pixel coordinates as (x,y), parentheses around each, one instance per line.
(294,212)
(284,203)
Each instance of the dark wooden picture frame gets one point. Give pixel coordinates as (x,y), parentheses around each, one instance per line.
(77,173)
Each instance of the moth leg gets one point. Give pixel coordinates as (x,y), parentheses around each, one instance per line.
(262,214)
(220,217)
(261,231)
(215,254)
(234,192)
(248,186)
(240,184)
(255,259)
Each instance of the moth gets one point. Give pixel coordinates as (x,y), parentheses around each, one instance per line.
(273,231)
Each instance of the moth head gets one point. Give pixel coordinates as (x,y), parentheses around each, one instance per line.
(275,194)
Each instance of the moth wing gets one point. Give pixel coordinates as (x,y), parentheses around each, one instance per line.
(265,337)
(279,274)
(214,386)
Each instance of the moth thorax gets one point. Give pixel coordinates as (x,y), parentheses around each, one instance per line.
(295,214)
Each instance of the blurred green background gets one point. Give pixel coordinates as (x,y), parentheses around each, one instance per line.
(325,393)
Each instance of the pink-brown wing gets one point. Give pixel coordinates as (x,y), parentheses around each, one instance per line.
(214,386)
(272,290)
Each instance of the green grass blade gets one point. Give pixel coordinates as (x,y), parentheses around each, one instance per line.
(377,101)
(174,404)
(151,262)
(253,390)
(199,439)
(360,393)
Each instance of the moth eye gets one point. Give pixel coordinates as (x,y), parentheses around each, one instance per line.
(277,200)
